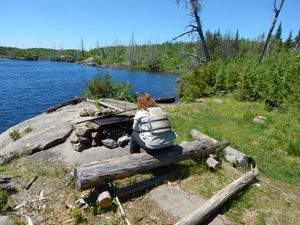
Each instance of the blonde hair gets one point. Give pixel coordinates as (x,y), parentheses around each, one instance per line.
(145,101)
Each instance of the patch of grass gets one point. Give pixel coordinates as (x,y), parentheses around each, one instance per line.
(15,135)
(77,216)
(3,199)
(28,130)
(275,145)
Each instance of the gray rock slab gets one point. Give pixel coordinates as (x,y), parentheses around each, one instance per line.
(67,154)
(6,220)
(48,130)
(179,203)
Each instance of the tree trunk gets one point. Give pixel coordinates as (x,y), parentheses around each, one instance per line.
(99,173)
(277,11)
(216,201)
(200,32)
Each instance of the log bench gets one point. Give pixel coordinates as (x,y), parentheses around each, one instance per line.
(100,173)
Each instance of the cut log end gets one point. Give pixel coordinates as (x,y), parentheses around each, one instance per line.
(213,163)
(104,199)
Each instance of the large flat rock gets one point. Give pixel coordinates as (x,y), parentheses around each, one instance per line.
(48,130)
(179,203)
(66,153)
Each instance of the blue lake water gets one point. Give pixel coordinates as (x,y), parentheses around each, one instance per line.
(28,88)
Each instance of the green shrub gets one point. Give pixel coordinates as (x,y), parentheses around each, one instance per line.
(3,200)
(106,87)
(100,86)
(198,83)
(123,91)
(276,79)
(15,135)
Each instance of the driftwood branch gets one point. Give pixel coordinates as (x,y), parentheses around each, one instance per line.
(216,201)
(99,173)
(69,102)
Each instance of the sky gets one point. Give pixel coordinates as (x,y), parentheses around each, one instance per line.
(63,23)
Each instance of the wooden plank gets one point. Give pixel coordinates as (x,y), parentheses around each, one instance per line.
(202,213)
(97,174)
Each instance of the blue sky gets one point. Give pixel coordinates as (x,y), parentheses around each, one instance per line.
(62,23)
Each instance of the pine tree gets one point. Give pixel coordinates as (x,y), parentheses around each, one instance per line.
(237,41)
(297,40)
(289,42)
(278,33)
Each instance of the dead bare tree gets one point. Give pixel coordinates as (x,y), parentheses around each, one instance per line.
(195,26)
(276,14)
(82,46)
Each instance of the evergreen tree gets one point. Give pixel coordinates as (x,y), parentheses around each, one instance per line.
(297,40)
(277,36)
(289,42)
(237,40)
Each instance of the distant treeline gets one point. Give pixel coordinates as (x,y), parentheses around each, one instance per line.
(174,57)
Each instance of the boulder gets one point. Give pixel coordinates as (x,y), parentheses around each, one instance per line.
(219,101)
(87,112)
(90,61)
(122,141)
(109,143)
(66,58)
(92,125)
(259,120)
(83,131)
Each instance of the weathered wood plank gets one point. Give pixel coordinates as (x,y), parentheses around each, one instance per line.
(99,173)
(216,201)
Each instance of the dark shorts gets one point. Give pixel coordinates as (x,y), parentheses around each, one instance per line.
(136,143)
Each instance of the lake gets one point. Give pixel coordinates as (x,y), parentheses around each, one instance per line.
(28,88)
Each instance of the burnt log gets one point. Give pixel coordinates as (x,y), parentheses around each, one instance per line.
(99,173)
(216,201)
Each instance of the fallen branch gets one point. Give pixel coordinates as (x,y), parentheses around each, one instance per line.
(216,201)
(28,185)
(122,211)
